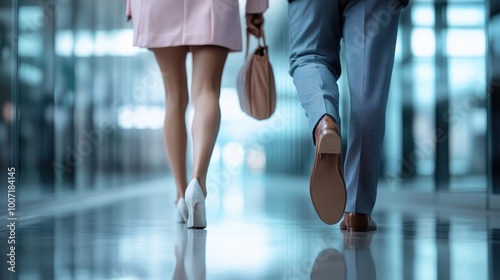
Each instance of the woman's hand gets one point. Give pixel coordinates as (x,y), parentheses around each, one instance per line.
(254,23)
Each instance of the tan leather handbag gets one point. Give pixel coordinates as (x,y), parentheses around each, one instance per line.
(255,85)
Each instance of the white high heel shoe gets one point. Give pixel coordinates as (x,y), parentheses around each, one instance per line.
(195,200)
(181,211)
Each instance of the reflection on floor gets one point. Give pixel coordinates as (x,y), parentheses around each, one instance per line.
(265,230)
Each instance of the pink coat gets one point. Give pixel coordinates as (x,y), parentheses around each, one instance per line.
(166,23)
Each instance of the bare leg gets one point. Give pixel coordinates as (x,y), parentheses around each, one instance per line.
(172,62)
(208,64)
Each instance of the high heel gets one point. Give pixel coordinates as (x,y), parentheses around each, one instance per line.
(181,213)
(195,200)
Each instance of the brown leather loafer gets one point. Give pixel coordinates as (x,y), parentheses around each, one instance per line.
(327,187)
(357,222)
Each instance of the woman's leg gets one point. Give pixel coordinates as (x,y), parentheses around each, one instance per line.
(172,62)
(208,63)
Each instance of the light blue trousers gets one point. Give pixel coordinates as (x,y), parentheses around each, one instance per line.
(369,30)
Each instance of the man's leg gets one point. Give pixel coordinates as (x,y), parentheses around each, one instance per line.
(315,67)
(315,32)
(370,31)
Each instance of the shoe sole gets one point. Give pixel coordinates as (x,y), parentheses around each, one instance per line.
(327,186)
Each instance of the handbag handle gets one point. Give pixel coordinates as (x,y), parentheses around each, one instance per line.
(263,37)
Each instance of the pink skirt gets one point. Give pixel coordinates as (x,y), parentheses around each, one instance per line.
(168,23)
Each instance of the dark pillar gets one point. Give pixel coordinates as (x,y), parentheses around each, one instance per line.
(408,166)
(64,100)
(441,171)
(14,132)
(493,97)
(47,159)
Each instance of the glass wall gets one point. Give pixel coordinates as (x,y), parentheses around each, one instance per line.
(440,96)
(78,73)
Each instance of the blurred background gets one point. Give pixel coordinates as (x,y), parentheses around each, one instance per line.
(90,106)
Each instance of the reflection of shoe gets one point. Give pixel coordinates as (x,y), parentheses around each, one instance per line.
(357,240)
(327,189)
(195,263)
(181,213)
(357,222)
(195,200)
(329,264)
(358,255)
(180,251)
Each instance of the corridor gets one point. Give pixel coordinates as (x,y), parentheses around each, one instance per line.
(82,116)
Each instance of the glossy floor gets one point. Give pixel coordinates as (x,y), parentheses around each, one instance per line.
(265,230)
